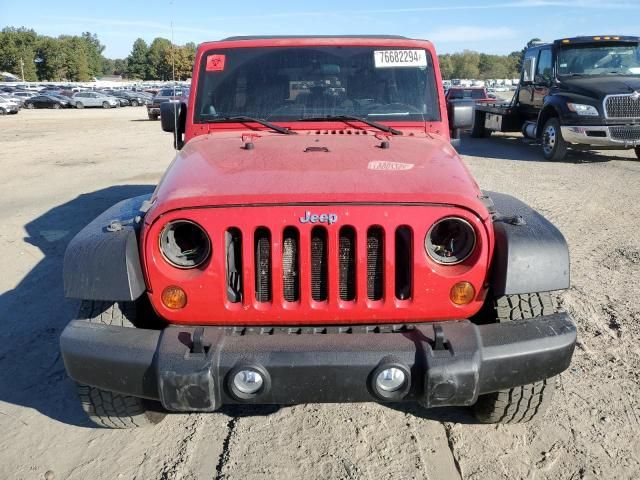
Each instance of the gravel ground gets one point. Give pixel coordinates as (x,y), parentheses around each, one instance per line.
(61,168)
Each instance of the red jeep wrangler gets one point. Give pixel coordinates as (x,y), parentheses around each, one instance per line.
(316,239)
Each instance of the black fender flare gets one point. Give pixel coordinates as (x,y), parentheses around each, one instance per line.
(102,261)
(530,254)
(549,110)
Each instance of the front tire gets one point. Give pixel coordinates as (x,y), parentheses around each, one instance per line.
(79,105)
(134,103)
(106,105)
(527,402)
(56,106)
(554,146)
(110,409)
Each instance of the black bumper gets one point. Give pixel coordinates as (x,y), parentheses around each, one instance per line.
(448,363)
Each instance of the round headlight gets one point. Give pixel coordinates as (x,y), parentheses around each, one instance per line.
(184,244)
(450,241)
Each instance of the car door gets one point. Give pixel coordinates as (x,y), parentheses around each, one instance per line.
(542,77)
(525,92)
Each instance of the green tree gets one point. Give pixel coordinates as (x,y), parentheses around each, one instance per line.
(50,59)
(93,51)
(137,66)
(17,52)
(446,66)
(157,66)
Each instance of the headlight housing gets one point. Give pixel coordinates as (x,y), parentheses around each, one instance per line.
(184,244)
(583,110)
(450,241)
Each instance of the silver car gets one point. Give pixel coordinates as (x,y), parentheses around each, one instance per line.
(94,99)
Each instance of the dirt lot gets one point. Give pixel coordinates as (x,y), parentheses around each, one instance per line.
(61,168)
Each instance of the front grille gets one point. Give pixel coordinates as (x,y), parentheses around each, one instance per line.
(622,106)
(263,265)
(347,263)
(375,263)
(290,265)
(625,133)
(319,273)
(302,263)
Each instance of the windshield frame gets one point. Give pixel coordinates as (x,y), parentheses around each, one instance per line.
(435,109)
(579,46)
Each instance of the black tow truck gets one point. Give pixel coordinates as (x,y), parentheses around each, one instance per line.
(580,93)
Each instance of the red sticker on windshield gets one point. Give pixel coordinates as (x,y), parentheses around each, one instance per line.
(215,63)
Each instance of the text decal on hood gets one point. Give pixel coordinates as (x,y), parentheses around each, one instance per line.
(384,165)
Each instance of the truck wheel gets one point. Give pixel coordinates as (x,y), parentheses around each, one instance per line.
(553,145)
(478,130)
(110,409)
(519,404)
(134,103)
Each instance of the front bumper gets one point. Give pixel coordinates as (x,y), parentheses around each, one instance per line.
(191,368)
(620,136)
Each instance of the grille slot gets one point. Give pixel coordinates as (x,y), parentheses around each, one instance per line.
(262,242)
(625,133)
(233,265)
(404,262)
(375,263)
(347,263)
(291,265)
(319,261)
(622,106)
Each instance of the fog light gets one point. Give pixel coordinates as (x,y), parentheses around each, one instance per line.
(390,379)
(247,381)
(174,298)
(462,293)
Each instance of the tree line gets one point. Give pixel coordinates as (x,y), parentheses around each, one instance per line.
(470,64)
(79,58)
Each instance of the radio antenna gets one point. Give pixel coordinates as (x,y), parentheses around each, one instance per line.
(173,78)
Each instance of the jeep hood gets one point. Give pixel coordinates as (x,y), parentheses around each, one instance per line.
(601,86)
(315,167)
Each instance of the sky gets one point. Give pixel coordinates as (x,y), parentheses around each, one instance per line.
(489,26)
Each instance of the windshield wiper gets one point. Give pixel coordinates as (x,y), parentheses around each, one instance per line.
(371,123)
(245,119)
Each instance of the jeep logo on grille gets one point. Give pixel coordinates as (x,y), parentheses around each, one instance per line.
(328,218)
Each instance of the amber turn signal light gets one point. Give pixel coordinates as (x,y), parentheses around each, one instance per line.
(462,293)
(174,298)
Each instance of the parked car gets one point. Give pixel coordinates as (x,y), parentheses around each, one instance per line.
(277,264)
(23,94)
(134,98)
(94,99)
(10,98)
(173,94)
(477,94)
(7,106)
(47,101)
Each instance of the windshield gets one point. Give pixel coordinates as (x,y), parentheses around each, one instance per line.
(290,83)
(620,59)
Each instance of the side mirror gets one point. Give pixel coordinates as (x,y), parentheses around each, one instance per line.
(461,114)
(173,118)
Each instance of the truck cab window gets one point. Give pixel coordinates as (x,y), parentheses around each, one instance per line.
(544,70)
(528,68)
